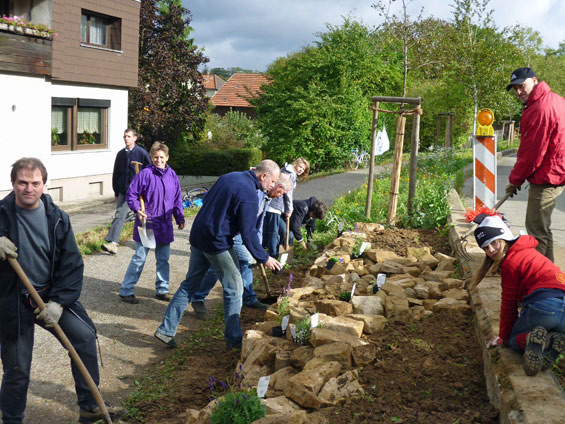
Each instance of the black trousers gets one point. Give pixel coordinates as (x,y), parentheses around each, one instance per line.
(16,357)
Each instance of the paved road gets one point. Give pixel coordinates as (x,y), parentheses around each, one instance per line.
(126,331)
(515,209)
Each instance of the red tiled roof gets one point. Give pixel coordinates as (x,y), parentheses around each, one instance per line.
(212,81)
(237,89)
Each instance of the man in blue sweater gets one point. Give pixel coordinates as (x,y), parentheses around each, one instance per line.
(230,207)
(123,175)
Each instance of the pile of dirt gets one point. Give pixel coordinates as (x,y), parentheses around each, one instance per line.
(429,371)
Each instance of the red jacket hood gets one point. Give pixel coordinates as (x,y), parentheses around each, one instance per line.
(524,242)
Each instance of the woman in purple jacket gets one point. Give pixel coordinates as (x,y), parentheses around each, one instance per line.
(159,186)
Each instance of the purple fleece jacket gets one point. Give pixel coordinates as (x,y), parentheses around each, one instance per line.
(162,195)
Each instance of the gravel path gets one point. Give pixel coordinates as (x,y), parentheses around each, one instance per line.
(126,331)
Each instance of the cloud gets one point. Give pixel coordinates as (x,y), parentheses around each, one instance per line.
(252,33)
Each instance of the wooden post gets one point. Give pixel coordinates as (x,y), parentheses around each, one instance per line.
(438,129)
(413,160)
(511,133)
(451,129)
(372,162)
(396,168)
(447,141)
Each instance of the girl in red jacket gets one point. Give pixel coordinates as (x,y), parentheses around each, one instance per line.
(530,282)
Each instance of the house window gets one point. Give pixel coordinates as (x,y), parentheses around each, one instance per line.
(100,30)
(79,124)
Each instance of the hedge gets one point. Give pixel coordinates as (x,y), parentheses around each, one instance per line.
(190,161)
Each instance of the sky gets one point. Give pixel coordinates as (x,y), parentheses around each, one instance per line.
(251,34)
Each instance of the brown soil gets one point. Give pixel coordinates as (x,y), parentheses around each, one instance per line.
(426,372)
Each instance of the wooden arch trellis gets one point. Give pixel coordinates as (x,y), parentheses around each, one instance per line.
(398,147)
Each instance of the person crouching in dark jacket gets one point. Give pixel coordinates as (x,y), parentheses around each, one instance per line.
(305,213)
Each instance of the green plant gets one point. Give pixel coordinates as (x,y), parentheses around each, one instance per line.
(283,303)
(345,296)
(87,138)
(55,137)
(303,331)
(356,249)
(237,405)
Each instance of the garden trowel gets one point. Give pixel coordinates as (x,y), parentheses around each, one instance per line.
(147,237)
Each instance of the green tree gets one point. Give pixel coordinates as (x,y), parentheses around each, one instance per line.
(169,101)
(317,102)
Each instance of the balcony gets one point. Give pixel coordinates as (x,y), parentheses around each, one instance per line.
(25,49)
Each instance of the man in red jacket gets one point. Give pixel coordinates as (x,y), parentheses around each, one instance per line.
(541,156)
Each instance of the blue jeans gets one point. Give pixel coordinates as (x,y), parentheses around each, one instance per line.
(271,233)
(245,263)
(226,266)
(548,313)
(162,252)
(16,360)
(119,220)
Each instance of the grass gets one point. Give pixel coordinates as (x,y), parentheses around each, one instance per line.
(91,241)
(156,384)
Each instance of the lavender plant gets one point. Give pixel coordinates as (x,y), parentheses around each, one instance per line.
(235,404)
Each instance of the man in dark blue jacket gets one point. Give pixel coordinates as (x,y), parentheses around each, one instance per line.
(124,172)
(48,254)
(230,207)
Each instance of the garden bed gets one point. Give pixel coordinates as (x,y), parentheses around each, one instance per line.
(428,371)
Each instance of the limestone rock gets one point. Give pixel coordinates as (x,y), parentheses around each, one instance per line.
(294,417)
(262,354)
(429,260)
(422,291)
(300,356)
(367,305)
(322,336)
(453,283)
(303,388)
(434,289)
(417,313)
(279,405)
(345,325)
(204,415)
(300,292)
(282,360)
(279,378)
(191,415)
(378,255)
(338,389)
(390,267)
(418,252)
(393,290)
(436,275)
(364,355)
(372,323)
(334,308)
(457,294)
(397,309)
(369,227)
(338,351)
(447,304)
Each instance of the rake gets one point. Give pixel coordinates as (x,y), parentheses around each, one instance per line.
(459,246)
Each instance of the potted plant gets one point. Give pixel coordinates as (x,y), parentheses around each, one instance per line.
(283,309)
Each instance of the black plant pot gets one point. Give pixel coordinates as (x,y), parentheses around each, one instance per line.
(278,331)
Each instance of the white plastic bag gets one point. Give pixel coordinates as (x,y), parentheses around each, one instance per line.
(382,143)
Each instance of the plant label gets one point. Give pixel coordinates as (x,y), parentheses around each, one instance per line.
(263,385)
(284,257)
(293,332)
(364,246)
(314,319)
(380,280)
(284,322)
(353,291)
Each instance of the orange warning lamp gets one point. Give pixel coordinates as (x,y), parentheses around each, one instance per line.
(485,118)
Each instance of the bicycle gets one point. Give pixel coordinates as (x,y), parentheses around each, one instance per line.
(358,159)
(194,197)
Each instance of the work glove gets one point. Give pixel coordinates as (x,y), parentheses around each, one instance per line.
(512,190)
(7,249)
(495,341)
(51,314)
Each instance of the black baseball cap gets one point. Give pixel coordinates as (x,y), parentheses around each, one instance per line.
(519,76)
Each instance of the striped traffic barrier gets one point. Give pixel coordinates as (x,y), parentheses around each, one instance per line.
(484,163)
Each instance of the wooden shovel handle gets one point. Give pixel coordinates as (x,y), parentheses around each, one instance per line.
(63,338)
(264,275)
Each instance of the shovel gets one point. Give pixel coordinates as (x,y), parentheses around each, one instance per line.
(64,340)
(287,249)
(147,237)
